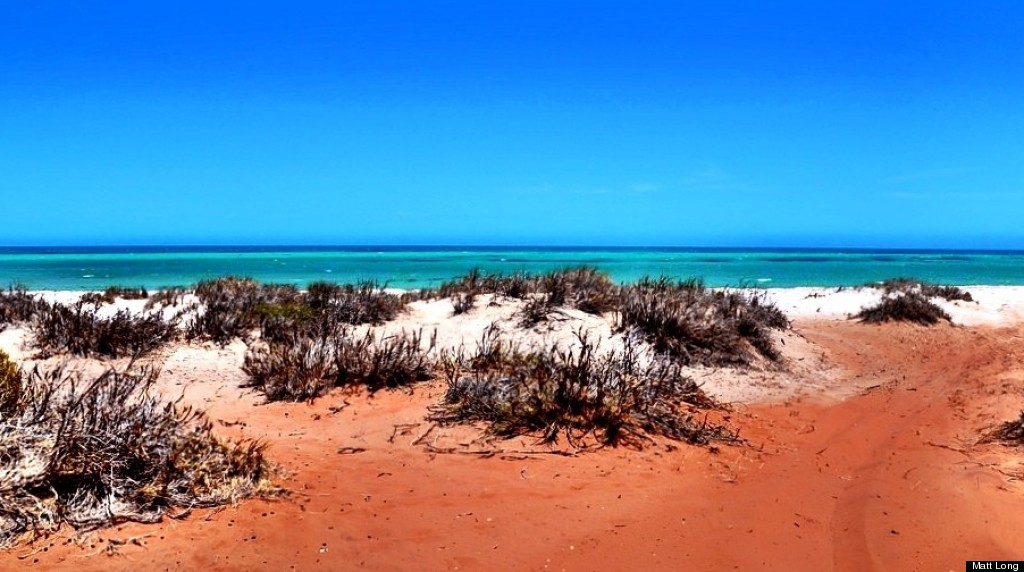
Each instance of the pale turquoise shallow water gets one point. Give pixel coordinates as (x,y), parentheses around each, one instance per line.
(404,267)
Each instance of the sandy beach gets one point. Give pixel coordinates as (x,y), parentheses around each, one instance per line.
(860,451)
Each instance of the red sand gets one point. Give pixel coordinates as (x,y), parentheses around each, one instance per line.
(888,479)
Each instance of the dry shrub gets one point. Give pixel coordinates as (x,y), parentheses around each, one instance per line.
(80,331)
(894,286)
(1009,433)
(295,369)
(230,307)
(538,308)
(166,298)
(94,298)
(463,302)
(10,383)
(305,367)
(18,306)
(906,307)
(361,303)
(517,285)
(575,393)
(96,452)
(325,308)
(115,292)
(112,293)
(950,293)
(283,321)
(582,287)
(393,361)
(471,283)
(694,324)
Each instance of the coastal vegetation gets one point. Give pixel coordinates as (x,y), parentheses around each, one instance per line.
(10,383)
(302,344)
(90,451)
(895,286)
(584,288)
(304,367)
(166,298)
(112,293)
(229,307)
(685,321)
(911,300)
(697,325)
(17,306)
(104,450)
(233,307)
(80,330)
(906,307)
(577,393)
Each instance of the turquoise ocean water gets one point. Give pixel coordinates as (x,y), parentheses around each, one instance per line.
(407,267)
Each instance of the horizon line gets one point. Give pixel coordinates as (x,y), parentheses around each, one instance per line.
(299,246)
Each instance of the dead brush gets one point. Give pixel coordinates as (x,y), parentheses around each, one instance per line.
(283,321)
(894,286)
(537,309)
(305,367)
(591,291)
(292,369)
(576,393)
(472,281)
(361,303)
(517,285)
(1010,433)
(584,287)
(166,298)
(697,325)
(79,330)
(906,307)
(392,361)
(463,302)
(112,293)
(18,306)
(327,307)
(101,451)
(229,307)
(10,383)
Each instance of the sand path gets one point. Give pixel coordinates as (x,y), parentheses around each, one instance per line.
(886,480)
(889,478)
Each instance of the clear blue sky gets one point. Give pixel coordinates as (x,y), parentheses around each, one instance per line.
(878,124)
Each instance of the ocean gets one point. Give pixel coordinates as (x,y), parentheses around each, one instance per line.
(93,268)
